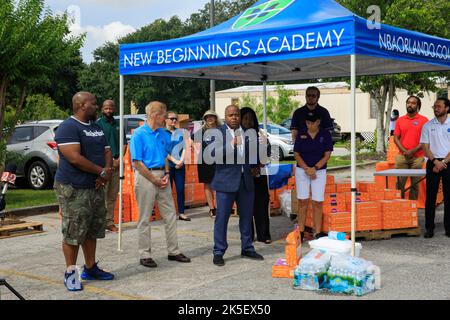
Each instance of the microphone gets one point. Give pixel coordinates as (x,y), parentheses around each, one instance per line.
(8,178)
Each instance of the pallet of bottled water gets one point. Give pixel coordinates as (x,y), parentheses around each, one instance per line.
(339,274)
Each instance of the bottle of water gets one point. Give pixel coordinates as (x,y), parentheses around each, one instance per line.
(336,235)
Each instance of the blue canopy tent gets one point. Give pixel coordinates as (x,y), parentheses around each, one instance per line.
(280,40)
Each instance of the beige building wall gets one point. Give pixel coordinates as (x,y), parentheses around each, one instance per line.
(337,101)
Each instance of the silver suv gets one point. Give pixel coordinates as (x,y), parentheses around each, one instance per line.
(34,143)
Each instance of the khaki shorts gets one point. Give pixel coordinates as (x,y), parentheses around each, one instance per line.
(83,213)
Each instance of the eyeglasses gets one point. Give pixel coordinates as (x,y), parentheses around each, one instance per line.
(173,119)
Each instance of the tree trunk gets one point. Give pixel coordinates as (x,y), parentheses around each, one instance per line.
(389,111)
(3,85)
(381,97)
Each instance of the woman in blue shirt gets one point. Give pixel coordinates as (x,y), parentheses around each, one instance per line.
(176,162)
(312,151)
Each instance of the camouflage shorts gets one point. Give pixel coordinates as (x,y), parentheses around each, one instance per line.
(83,213)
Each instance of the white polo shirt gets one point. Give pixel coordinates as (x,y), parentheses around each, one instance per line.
(437,135)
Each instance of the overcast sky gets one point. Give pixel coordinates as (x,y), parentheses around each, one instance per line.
(107,20)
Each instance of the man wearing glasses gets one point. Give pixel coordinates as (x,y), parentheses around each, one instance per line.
(311,107)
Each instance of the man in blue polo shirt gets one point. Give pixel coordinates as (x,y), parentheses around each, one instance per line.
(311,107)
(150,146)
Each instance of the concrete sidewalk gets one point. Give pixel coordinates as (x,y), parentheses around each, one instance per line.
(411,267)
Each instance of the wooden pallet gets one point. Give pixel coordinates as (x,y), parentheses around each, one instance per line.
(21,229)
(387,234)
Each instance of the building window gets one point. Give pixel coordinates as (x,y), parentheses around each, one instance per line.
(373,108)
(235,102)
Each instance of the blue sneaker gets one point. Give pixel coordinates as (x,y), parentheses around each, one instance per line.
(72,280)
(95,273)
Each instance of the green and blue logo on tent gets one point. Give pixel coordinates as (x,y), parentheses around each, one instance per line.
(265,11)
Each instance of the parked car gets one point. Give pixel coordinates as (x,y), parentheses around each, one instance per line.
(131,122)
(280,139)
(34,143)
(336,134)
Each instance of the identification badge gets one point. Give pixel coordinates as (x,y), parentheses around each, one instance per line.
(303,137)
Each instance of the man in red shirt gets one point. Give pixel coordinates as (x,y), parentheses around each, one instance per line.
(407,138)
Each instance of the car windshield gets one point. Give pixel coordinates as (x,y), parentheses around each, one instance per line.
(275,129)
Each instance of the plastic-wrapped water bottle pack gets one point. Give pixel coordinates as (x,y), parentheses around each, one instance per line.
(336,274)
(311,273)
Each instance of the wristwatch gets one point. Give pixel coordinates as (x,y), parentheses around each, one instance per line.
(166,173)
(102,173)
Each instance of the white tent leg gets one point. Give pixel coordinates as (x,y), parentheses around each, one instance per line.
(353,146)
(265,105)
(122,89)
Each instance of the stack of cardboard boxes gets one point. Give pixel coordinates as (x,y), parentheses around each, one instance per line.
(376,208)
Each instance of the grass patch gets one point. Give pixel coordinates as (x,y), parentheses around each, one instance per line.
(333,162)
(22,198)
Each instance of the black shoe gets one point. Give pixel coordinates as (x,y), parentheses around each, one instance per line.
(252,255)
(428,234)
(302,236)
(184,218)
(320,235)
(179,257)
(447,234)
(149,263)
(218,260)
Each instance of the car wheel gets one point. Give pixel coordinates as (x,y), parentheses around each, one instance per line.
(38,175)
(276,154)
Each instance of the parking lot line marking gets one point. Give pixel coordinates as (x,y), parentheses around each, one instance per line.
(87,287)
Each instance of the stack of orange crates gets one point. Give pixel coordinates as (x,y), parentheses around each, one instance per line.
(284,267)
(392,151)
(399,213)
(126,208)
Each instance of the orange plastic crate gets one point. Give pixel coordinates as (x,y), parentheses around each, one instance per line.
(330,188)
(343,187)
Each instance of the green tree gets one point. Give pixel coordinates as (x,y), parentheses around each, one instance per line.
(182,95)
(279,107)
(35,46)
(42,107)
(427,16)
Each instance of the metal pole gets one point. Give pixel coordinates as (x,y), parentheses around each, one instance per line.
(212,82)
(121,172)
(353,145)
(265,105)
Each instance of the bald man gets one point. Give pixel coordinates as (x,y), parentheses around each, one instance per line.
(233,182)
(111,128)
(84,169)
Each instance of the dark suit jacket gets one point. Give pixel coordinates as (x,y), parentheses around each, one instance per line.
(228,175)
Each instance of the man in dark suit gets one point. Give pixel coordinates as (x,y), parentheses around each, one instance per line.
(232,182)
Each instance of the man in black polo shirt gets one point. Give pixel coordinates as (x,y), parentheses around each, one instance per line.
(311,107)
(111,128)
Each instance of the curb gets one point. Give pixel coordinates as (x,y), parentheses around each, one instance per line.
(32,211)
(349,166)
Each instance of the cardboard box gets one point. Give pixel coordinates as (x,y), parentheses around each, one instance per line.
(391,194)
(330,188)
(360,197)
(293,249)
(282,270)
(330,179)
(376,195)
(364,186)
(333,198)
(342,187)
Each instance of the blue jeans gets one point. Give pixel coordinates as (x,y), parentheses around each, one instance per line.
(178,175)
